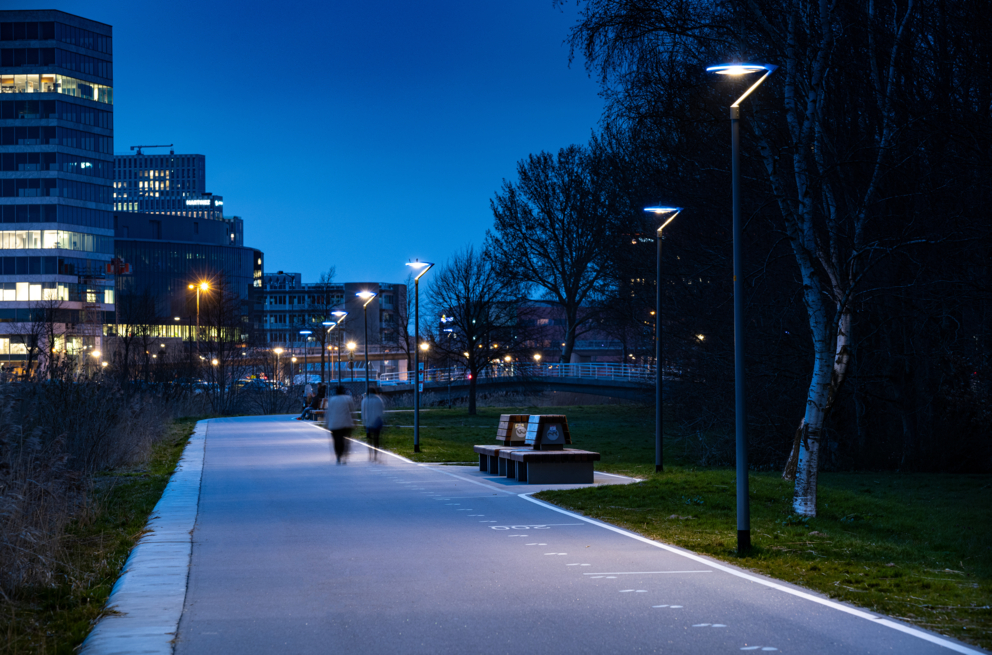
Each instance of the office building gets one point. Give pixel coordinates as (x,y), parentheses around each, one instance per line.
(169,184)
(289,305)
(164,257)
(56,180)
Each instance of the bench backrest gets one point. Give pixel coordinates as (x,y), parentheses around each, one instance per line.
(512,429)
(548,432)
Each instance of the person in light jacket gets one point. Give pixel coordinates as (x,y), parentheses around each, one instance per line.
(372,415)
(339,421)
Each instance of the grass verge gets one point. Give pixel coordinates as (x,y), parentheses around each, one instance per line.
(917,547)
(56,619)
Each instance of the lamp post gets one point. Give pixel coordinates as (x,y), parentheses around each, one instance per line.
(659,395)
(743,499)
(202,286)
(340,315)
(278,352)
(328,326)
(367,296)
(306,339)
(423,267)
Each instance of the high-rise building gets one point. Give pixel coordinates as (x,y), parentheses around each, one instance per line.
(56,179)
(169,184)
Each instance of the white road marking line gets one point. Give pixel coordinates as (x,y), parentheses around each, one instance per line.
(596,578)
(659,606)
(517,535)
(626,591)
(719,625)
(675,607)
(701,625)
(465,510)
(611,577)
(587,565)
(642,572)
(641,591)
(576,564)
(915,632)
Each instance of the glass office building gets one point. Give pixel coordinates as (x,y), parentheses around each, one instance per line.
(56,178)
(171,184)
(165,256)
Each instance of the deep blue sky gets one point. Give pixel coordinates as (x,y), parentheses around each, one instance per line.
(354,134)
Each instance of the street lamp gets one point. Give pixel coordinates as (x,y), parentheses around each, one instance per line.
(367,296)
(340,315)
(743,502)
(423,267)
(351,358)
(659,428)
(202,286)
(306,374)
(278,352)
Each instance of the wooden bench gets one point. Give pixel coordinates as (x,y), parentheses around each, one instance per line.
(567,466)
(317,414)
(546,460)
(512,431)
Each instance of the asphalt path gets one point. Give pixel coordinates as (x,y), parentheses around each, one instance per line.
(294,554)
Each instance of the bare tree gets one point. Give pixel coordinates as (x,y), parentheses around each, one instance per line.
(555,228)
(479,305)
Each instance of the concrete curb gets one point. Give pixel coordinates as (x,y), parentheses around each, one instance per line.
(148,598)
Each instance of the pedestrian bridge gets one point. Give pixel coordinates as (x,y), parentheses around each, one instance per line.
(615,380)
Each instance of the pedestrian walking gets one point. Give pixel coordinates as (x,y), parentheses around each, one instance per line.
(339,421)
(372,415)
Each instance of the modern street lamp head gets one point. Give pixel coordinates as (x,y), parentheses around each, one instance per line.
(423,267)
(293,359)
(204,286)
(339,314)
(537,357)
(737,70)
(306,332)
(352,345)
(367,296)
(191,286)
(662,211)
(96,353)
(740,69)
(425,346)
(177,318)
(327,323)
(103,364)
(214,362)
(277,351)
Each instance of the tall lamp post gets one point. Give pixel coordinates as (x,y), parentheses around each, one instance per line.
(367,296)
(202,286)
(306,339)
(659,427)
(278,352)
(340,315)
(423,267)
(743,500)
(351,358)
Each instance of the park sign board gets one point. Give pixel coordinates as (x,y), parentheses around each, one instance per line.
(548,432)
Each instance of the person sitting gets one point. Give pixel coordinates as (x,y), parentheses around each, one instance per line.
(316,402)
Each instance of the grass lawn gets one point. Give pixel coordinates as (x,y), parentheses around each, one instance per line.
(914,546)
(57,619)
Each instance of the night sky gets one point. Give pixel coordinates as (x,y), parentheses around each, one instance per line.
(352,134)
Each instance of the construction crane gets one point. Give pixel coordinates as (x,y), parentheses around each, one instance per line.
(138,148)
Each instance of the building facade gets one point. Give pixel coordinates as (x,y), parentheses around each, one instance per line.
(173,185)
(164,257)
(56,180)
(290,305)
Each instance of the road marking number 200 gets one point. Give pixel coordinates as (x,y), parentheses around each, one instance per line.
(519,527)
(541,526)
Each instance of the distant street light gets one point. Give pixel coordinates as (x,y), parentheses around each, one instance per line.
(423,267)
(306,339)
(659,427)
(278,352)
(202,286)
(351,358)
(743,500)
(367,296)
(340,315)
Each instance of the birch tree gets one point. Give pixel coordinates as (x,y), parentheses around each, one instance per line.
(832,130)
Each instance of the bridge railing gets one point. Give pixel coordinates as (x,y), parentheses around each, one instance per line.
(590,371)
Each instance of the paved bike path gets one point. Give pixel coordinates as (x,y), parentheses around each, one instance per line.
(292,553)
